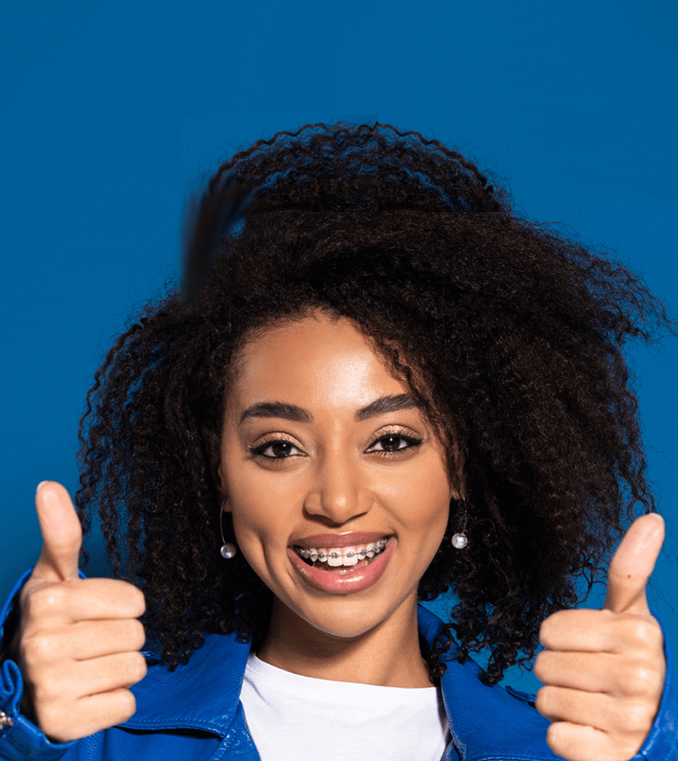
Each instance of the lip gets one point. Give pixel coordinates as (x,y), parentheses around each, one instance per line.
(339,540)
(345,583)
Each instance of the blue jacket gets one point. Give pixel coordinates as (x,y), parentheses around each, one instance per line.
(195,713)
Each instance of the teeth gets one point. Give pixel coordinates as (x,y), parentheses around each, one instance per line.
(346,556)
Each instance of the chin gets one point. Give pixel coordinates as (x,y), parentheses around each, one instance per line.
(346,617)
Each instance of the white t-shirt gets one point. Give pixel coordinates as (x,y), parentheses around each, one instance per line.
(292,717)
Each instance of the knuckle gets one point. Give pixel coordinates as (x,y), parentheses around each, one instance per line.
(646,634)
(46,696)
(640,681)
(637,718)
(37,650)
(45,601)
(49,719)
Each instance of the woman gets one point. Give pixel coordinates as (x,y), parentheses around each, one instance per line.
(379,384)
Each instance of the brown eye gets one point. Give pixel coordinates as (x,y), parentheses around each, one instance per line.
(276,450)
(394,442)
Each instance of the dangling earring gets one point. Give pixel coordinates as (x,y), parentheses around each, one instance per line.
(227,550)
(460,540)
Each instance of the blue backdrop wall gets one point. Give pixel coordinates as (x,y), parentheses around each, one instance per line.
(112,112)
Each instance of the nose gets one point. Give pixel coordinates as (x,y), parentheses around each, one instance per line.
(337,493)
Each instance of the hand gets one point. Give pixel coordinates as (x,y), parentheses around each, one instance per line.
(78,641)
(604,670)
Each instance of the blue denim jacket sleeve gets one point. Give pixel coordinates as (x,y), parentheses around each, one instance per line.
(20,739)
(662,742)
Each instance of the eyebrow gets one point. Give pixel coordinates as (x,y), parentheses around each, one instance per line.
(277,409)
(386,404)
(299,415)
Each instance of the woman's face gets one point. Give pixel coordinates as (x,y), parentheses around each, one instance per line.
(336,482)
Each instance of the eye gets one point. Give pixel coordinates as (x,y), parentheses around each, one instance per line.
(394,442)
(277,449)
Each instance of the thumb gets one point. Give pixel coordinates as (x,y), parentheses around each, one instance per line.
(61,534)
(632,565)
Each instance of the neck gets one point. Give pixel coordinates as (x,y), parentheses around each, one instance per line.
(387,655)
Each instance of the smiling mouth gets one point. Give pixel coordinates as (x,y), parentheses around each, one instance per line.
(342,559)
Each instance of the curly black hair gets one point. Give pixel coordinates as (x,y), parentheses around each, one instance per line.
(509,333)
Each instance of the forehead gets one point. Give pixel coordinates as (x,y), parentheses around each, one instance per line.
(317,361)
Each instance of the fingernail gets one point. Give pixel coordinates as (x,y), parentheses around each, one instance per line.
(37,488)
(649,536)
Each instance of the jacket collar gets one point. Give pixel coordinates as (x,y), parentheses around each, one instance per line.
(515,728)
(204,695)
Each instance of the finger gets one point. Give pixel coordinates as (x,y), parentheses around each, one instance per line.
(632,565)
(101,638)
(108,709)
(61,534)
(599,631)
(599,672)
(83,641)
(580,743)
(83,600)
(591,672)
(61,723)
(110,672)
(595,710)
(577,706)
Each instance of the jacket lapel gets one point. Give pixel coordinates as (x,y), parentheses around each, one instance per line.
(203,694)
(486,722)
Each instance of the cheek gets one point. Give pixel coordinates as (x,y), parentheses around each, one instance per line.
(262,515)
(252,515)
(422,499)
(256,533)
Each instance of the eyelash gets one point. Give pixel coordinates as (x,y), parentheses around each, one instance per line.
(412,442)
(259,449)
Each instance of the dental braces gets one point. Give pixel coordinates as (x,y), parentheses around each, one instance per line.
(369,551)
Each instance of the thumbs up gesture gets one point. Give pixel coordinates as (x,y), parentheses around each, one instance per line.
(78,641)
(604,670)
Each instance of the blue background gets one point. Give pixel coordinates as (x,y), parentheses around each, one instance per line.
(111,113)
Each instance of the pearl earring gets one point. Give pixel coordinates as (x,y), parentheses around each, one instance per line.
(460,540)
(227,550)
